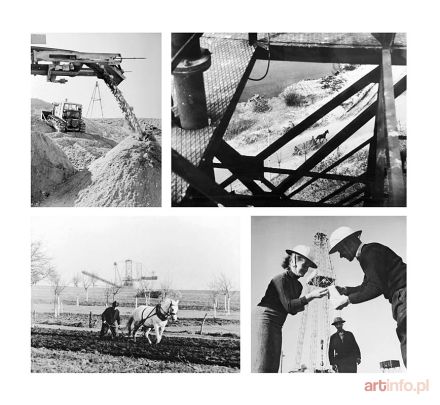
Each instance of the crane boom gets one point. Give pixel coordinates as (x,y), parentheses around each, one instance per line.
(101,279)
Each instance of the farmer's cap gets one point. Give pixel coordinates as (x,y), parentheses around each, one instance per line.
(115,304)
(339,235)
(338,319)
(304,251)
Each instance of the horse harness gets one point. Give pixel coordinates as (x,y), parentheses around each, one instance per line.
(157,310)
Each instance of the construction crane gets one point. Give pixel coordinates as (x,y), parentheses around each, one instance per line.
(314,330)
(54,63)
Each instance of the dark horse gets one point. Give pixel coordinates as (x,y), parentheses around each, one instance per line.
(322,136)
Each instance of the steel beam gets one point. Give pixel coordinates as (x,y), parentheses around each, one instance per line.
(201,182)
(370,77)
(336,192)
(350,197)
(332,166)
(337,140)
(329,54)
(243,168)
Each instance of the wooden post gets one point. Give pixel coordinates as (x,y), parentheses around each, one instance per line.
(203,323)
(90,319)
(136,302)
(77,301)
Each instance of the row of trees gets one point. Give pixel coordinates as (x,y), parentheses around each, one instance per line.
(42,269)
(221,285)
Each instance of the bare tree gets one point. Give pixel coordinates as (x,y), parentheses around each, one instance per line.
(107,294)
(225,286)
(214,295)
(57,287)
(144,289)
(86,283)
(93,281)
(41,265)
(76,279)
(166,288)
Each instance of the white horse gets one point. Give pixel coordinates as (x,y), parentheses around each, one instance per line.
(153,317)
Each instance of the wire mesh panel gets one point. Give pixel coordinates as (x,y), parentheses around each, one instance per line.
(230,56)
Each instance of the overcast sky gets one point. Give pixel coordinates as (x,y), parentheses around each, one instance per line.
(141,88)
(190,251)
(371,322)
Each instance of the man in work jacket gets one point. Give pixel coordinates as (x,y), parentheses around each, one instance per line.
(384,273)
(110,320)
(343,351)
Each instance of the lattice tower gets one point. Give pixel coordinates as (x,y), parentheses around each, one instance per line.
(315,328)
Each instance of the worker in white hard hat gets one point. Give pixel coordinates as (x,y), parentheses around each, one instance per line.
(384,274)
(282,297)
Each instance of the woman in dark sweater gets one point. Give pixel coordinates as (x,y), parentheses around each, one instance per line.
(282,297)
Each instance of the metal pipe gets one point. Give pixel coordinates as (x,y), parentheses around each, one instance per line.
(189,86)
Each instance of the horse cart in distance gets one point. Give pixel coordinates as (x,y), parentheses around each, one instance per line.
(65,116)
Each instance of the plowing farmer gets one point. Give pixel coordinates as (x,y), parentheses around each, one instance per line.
(282,297)
(110,320)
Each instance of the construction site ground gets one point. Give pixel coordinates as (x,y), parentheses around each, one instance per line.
(76,169)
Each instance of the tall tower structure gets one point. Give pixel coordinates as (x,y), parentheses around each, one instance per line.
(128,279)
(96,98)
(315,329)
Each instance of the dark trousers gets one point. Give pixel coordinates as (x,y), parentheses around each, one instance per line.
(104,330)
(347,365)
(266,340)
(398,306)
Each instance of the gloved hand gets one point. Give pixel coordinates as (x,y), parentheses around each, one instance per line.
(343,304)
(341,290)
(358,360)
(335,368)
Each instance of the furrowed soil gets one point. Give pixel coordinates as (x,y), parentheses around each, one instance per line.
(206,351)
(60,361)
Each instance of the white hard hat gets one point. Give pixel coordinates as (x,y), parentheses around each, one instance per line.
(304,251)
(339,235)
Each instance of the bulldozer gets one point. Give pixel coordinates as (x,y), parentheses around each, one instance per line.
(65,116)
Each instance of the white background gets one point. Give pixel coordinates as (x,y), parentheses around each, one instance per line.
(19,19)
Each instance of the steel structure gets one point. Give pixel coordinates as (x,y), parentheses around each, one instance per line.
(314,332)
(96,98)
(54,63)
(198,152)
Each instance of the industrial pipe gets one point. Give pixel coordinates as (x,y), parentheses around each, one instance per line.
(190,96)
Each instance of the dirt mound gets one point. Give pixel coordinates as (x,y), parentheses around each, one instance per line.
(49,167)
(127,176)
(82,148)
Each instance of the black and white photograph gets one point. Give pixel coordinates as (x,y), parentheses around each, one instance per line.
(288,119)
(329,295)
(96,120)
(135,295)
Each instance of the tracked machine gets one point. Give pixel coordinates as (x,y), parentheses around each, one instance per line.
(65,116)
(57,64)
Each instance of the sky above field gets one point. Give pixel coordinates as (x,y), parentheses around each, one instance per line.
(188,251)
(371,322)
(141,88)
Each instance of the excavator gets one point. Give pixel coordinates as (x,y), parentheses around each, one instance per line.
(57,64)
